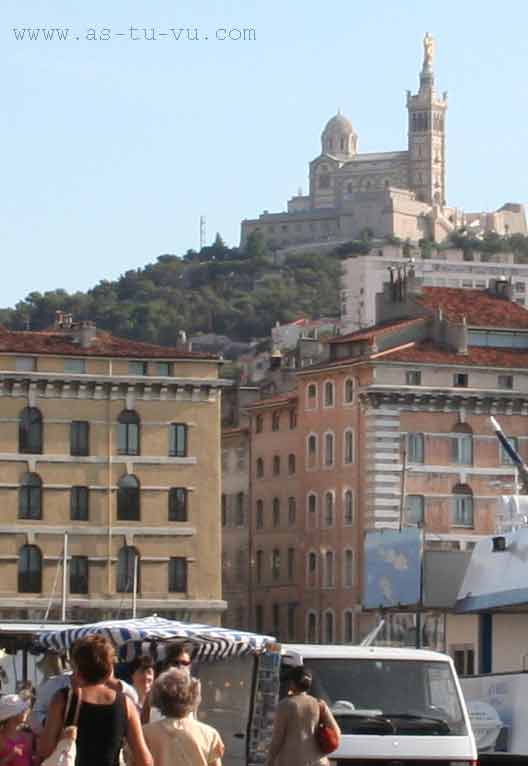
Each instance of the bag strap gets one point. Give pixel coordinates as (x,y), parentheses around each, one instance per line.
(77,707)
(68,705)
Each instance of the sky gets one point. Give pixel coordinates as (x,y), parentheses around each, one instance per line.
(114,147)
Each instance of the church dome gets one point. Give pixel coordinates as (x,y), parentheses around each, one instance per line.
(339,137)
(339,123)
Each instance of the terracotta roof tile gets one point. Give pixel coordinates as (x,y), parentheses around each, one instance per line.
(479,307)
(63,344)
(272,401)
(369,333)
(429,353)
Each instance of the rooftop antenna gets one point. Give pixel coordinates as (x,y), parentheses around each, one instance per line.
(202,232)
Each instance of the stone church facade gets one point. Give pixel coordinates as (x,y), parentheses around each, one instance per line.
(394,194)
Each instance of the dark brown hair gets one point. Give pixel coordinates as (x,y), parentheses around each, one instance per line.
(93,658)
(301,678)
(141,663)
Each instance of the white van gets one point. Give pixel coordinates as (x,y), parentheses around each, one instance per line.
(394,706)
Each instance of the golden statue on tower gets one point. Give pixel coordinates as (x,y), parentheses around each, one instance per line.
(428,44)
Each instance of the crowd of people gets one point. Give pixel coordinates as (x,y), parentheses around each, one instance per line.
(144,718)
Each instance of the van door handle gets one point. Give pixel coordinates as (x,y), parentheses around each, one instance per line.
(239,735)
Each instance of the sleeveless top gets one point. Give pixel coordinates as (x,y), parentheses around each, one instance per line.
(24,743)
(101,729)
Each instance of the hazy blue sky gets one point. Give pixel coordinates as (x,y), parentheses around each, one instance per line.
(112,149)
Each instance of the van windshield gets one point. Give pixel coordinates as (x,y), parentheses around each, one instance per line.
(404,697)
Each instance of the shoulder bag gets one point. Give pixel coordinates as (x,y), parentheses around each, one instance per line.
(326,736)
(65,750)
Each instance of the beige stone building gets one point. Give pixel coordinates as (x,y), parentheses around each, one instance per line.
(396,193)
(117,444)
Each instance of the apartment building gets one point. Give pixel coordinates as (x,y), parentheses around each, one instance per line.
(364,276)
(115,444)
(392,429)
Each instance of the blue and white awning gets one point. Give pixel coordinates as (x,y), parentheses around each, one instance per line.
(131,636)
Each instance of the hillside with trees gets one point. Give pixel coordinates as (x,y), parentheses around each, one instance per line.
(230,291)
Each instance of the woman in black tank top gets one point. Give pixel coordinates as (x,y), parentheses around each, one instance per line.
(106,716)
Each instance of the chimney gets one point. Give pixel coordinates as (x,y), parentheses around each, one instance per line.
(182,344)
(275,359)
(63,321)
(85,333)
(501,288)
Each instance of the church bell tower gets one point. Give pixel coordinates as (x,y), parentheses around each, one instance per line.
(427,135)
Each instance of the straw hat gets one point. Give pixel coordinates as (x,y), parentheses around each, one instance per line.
(11,705)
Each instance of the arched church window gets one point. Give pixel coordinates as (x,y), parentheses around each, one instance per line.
(343,144)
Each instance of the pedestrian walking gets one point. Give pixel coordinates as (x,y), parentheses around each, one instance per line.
(16,745)
(298,715)
(178,737)
(106,716)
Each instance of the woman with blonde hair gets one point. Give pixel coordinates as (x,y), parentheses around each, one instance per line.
(178,737)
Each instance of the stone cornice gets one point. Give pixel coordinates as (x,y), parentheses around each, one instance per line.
(57,385)
(473,400)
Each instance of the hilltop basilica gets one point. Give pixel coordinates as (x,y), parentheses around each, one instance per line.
(394,194)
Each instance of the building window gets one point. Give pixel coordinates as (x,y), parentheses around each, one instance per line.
(328,519)
(292,511)
(348,508)
(275,421)
(178,574)
(415,448)
(259,522)
(462,503)
(311,396)
(329,450)
(30,497)
(164,369)
(291,464)
(276,465)
(349,391)
(79,504)
(127,568)
(137,368)
(79,574)
(311,569)
(75,365)
(328,627)
(224,510)
(178,498)
(311,520)
(29,569)
(259,424)
(128,498)
(30,431)
(464,659)
(239,510)
(276,512)
(178,440)
(275,564)
(291,622)
(259,567)
(505,381)
(413,378)
(348,568)
(348,627)
(311,627)
(293,419)
(329,569)
(291,564)
(348,447)
(275,617)
(25,364)
(311,451)
(260,468)
(79,438)
(328,394)
(128,433)
(460,380)
(414,509)
(259,618)
(505,459)
(462,445)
